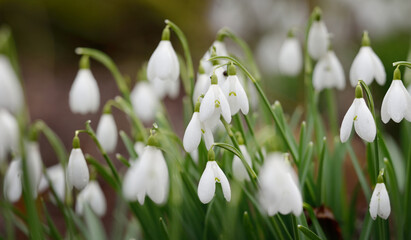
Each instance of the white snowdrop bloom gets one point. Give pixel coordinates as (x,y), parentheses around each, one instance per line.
(107,132)
(214,104)
(219,72)
(12,184)
(202,84)
(211,175)
(145,101)
(84,94)
(367,66)
(234,92)
(359,115)
(279,190)
(11,92)
(290,58)
(93,196)
(194,130)
(328,72)
(77,169)
(396,104)
(194,156)
(58,180)
(318,39)
(34,165)
(380,202)
(239,170)
(9,134)
(147,176)
(220,50)
(139,147)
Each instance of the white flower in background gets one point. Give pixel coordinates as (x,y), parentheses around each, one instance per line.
(58,180)
(194,156)
(290,58)
(396,104)
(9,134)
(234,92)
(145,101)
(84,96)
(34,165)
(163,67)
(202,84)
(194,130)
(12,184)
(93,196)
(211,175)
(380,201)
(214,104)
(220,50)
(77,169)
(239,170)
(139,147)
(367,66)
(328,72)
(359,115)
(11,92)
(107,132)
(279,190)
(318,39)
(147,176)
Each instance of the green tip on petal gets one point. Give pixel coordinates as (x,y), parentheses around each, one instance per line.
(197,106)
(397,73)
(239,138)
(317,14)
(214,79)
(358,91)
(232,69)
(76,142)
(84,62)
(211,155)
(166,34)
(365,39)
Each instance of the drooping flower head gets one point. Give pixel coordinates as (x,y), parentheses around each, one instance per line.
(147,176)
(211,175)
(93,196)
(380,201)
(9,134)
(367,65)
(318,39)
(359,115)
(58,181)
(145,102)
(11,92)
(219,48)
(290,59)
(202,83)
(107,131)
(396,104)
(163,68)
(239,170)
(12,184)
(328,73)
(84,96)
(234,92)
(77,169)
(34,165)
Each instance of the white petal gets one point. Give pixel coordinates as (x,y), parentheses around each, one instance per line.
(242,98)
(77,169)
(318,40)
(163,63)
(139,148)
(206,186)
(96,198)
(396,103)
(208,137)
(11,92)
(225,185)
(158,181)
(225,108)
(34,165)
(385,116)
(133,183)
(337,70)
(201,86)
(145,101)
(374,202)
(84,94)
(192,135)
(290,57)
(362,67)
(12,186)
(346,125)
(107,132)
(207,106)
(364,124)
(379,70)
(384,208)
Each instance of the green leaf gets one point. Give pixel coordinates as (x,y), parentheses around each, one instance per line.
(95,230)
(308,233)
(128,143)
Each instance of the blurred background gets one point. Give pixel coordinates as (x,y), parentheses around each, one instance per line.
(47,32)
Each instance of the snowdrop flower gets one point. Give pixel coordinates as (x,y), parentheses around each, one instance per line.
(234,92)
(9,133)
(220,50)
(290,59)
(396,104)
(11,92)
(239,170)
(279,190)
(211,175)
(147,176)
(57,178)
(359,115)
(77,169)
(328,72)
(214,104)
(84,96)
(194,130)
(139,147)
(107,131)
(12,186)
(163,67)
(318,40)
(34,165)
(202,83)
(93,196)
(145,102)
(380,201)
(367,65)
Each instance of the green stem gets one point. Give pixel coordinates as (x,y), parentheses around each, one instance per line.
(407,197)
(332,111)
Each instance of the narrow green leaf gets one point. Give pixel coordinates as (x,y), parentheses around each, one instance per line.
(95,230)
(128,143)
(308,233)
